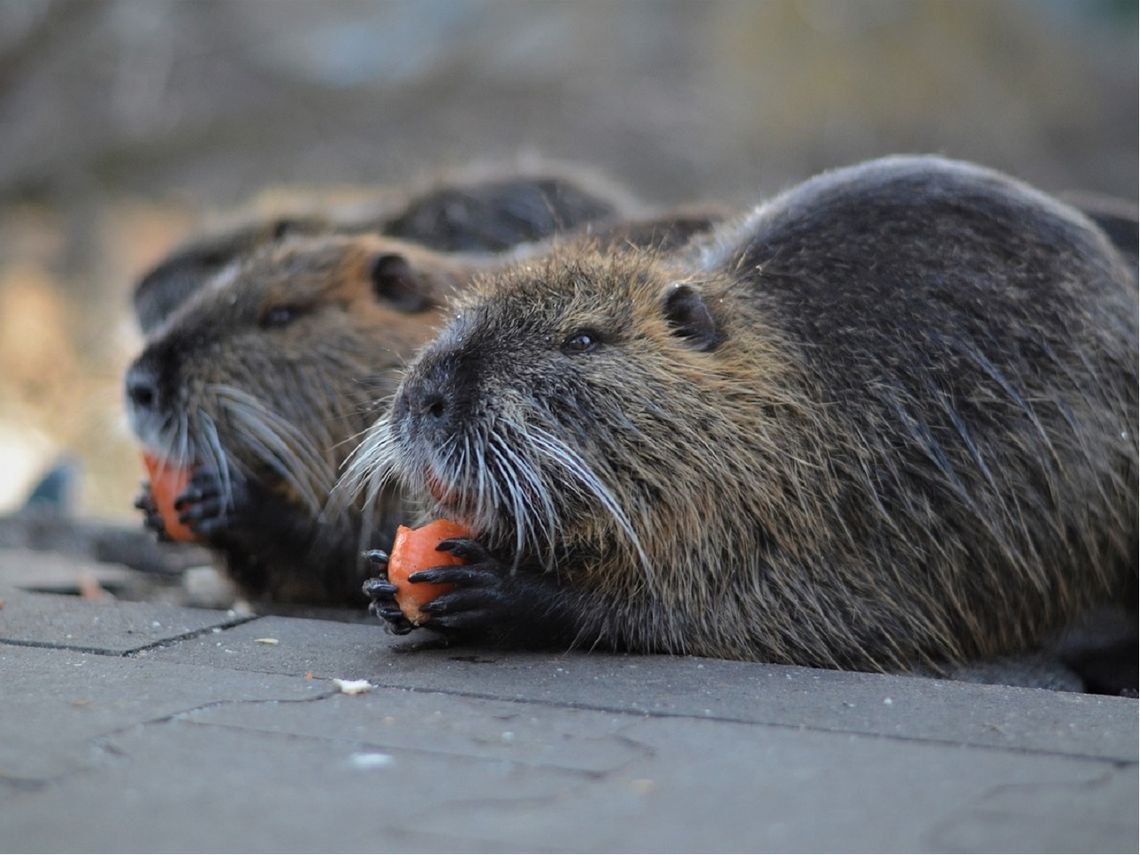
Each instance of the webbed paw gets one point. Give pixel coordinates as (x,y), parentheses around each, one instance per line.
(204,506)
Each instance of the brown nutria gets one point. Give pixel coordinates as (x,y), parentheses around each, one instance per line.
(262,379)
(460,214)
(887,420)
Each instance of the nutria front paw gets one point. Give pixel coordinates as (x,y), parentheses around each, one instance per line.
(383,595)
(152,519)
(206,506)
(480,600)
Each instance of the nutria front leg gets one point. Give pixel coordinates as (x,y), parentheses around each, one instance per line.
(204,505)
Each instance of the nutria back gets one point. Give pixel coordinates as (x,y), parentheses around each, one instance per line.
(887,419)
(486,214)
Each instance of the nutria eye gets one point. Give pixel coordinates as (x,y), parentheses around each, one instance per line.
(281,316)
(582,341)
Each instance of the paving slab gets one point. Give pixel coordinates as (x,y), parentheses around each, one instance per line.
(886,705)
(109,627)
(53,702)
(233,737)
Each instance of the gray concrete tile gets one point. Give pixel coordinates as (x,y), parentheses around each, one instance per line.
(899,706)
(107,627)
(54,702)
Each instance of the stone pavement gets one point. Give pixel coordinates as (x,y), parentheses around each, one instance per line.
(140,727)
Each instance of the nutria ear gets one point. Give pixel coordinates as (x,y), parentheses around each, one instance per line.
(690,318)
(396,282)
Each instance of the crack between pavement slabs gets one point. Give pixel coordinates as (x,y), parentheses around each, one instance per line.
(134,651)
(643,713)
(585,707)
(980,806)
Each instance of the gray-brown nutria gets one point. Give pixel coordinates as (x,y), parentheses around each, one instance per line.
(262,381)
(886,420)
(489,213)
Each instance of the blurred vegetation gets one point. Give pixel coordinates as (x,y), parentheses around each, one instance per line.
(125,124)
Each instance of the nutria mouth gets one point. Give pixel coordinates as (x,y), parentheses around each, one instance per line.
(443,494)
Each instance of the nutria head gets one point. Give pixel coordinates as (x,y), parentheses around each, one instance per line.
(277,363)
(597,406)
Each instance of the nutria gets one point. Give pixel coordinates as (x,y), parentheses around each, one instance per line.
(262,380)
(463,213)
(274,367)
(887,420)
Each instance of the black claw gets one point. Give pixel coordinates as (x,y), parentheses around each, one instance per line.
(378,587)
(463,600)
(395,623)
(462,547)
(378,558)
(455,575)
(393,618)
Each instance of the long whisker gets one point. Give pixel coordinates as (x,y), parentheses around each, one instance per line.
(571,462)
(209,429)
(279,445)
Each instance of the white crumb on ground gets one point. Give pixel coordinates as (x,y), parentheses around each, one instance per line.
(352,687)
(372,760)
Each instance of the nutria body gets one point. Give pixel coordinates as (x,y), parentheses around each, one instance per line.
(263,379)
(886,420)
(462,214)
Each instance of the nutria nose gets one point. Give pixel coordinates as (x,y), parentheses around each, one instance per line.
(433,405)
(142,387)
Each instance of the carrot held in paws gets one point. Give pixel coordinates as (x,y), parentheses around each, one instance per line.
(415,550)
(167,483)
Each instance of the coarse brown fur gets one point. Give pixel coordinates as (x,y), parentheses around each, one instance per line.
(887,420)
(263,380)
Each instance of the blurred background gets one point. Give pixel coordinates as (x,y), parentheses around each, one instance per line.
(127,124)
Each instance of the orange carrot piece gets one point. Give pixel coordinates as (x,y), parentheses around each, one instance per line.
(167,483)
(415,550)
